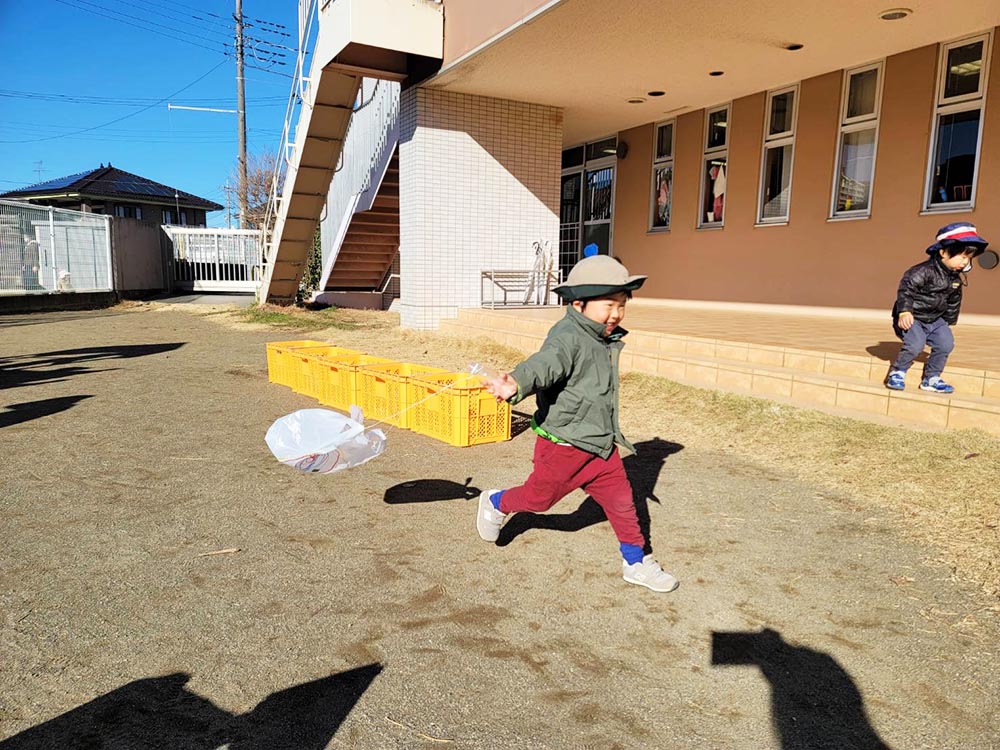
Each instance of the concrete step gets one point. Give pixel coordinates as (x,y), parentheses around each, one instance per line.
(968,381)
(829,382)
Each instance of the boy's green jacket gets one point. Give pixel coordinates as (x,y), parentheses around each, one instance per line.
(575,378)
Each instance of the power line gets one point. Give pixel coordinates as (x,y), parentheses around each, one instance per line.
(263,101)
(144,28)
(118,16)
(131,114)
(218,20)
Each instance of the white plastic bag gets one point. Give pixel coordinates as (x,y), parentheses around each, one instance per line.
(320,441)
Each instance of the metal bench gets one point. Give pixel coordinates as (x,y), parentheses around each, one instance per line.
(517,287)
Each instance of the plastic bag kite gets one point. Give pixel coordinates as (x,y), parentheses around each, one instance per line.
(320,441)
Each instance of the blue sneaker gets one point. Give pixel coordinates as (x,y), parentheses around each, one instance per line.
(936,385)
(896,380)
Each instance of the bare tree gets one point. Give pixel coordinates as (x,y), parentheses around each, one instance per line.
(260,173)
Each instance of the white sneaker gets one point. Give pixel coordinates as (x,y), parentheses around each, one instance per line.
(648,573)
(489,521)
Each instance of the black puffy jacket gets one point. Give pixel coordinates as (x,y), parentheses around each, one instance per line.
(930,291)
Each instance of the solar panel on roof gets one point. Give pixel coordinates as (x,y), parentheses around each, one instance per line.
(58,182)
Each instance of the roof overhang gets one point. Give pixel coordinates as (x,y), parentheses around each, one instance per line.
(84,196)
(590,56)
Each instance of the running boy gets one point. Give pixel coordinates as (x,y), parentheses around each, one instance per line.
(927,305)
(575,377)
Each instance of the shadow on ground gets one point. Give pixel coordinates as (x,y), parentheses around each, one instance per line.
(519,422)
(887,351)
(56,367)
(815,704)
(160,713)
(28,410)
(643,469)
(429,491)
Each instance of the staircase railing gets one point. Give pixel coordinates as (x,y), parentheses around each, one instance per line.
(297,98)
(367,151)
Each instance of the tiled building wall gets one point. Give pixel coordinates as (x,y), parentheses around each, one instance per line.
(479,182)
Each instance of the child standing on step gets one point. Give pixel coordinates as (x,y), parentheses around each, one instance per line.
(575,378)
(928,302)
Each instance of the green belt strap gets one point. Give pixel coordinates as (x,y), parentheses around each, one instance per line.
(540,431)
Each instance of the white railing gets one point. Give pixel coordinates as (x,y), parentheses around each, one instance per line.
(218,260)
(45,250)
(371,139)
(298,95)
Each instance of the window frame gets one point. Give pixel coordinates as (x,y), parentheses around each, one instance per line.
(857,124)
(778,140)
(709,153)
(942,74)
(661,162)
(123,208)
(944,106)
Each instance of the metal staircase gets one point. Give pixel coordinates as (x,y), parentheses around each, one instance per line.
(371,241)
(353,45)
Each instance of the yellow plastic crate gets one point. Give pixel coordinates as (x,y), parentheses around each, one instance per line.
(335,377)
(310,363)
(281,369)
(382,392)
(464,414)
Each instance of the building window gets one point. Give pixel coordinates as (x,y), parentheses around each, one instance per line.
(860,104)
(714,165)
(175,217)
(128,212)
(958,124)
(663,176)
(779,146)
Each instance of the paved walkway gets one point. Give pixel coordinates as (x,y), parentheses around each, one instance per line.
(976,347)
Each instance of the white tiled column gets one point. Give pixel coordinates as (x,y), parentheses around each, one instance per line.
(479,183)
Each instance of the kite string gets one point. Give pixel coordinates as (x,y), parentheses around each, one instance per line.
(448,387)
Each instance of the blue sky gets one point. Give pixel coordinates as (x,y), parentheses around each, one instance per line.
(71,65)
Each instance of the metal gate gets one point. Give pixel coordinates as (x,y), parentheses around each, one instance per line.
(215,260)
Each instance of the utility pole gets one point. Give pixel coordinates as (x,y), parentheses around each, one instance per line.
(241,115)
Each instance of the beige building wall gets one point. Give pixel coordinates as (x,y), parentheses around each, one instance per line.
(469,23)
(811,260)
(479,183)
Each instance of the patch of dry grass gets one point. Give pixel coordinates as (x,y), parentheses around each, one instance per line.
(944,488)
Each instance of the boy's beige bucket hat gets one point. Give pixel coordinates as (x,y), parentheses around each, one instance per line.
(597,276)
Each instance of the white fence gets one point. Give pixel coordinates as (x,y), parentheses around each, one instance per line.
(45,250)
(215,260)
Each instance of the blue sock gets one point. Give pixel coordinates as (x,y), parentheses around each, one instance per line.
(495,498)
(632,553)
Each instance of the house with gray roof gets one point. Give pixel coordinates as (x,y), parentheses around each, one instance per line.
(115,192)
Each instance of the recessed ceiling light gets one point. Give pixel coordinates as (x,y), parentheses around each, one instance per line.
(894,14)
(655,93)
(716,73)
(794,47)
(636,100)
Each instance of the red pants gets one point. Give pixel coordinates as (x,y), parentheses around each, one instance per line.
(560,469)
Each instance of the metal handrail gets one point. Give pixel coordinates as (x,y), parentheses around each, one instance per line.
(388,280)
(371,137)
(297,96)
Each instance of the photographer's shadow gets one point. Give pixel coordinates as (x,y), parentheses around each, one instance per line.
(162,713)
(815,704)
(643,469)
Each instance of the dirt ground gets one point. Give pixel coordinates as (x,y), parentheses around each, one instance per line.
(362,610)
